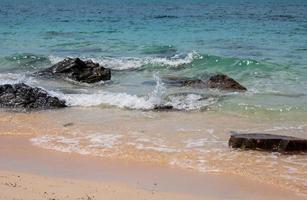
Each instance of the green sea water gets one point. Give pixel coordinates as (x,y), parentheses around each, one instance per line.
(261,44)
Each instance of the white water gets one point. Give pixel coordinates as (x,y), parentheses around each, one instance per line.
(124,100)
(126,63)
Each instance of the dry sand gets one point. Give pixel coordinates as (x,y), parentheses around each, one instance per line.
(29,187)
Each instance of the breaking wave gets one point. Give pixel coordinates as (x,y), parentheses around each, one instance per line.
(13,78)
(156,98)
(129,101)
(126,63)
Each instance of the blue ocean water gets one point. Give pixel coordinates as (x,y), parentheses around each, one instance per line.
(260,43)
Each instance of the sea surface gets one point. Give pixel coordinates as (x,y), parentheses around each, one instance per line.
(260,43)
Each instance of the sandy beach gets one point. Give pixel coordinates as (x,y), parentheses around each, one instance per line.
(29,172)
(22,186)
(192,141)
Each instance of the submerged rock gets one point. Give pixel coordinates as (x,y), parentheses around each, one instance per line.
(268,142)
(219,81)
(78,70)
(224,82)
(182,81)
(22,96)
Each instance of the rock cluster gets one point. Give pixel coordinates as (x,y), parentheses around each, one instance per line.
(24,96)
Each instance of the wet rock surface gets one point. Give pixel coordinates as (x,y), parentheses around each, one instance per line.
(22,96)
(218,81)
(163,107)
(77,70)
(267,142)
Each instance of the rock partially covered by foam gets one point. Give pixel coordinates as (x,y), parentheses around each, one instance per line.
(78,70)
(22,96)
(268,142)
(218,81)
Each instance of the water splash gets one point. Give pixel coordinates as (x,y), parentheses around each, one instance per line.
(157,95)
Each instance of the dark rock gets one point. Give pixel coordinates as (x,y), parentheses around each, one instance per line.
(78,70)
(163,107)
(219,81)
(22,96)
(268,142)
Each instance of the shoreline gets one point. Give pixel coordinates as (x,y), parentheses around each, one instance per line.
(17,155)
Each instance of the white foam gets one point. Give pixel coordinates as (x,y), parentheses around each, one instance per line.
(121,100)
(160,148)
(153,144)
(125,63)
(190,101)
(191,143)
(103,140)
(59,143)
(199,165)
(174,61)
(188,130)
(119,63)
(197,143)
(157,95)
(130,101)
(12,78)
(87,144)
(55,59)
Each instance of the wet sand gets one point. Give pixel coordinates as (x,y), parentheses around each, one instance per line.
(61,173)
(195,141)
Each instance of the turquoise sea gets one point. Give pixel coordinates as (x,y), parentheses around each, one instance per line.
(260,43)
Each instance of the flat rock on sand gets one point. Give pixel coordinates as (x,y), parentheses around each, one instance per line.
(268,142)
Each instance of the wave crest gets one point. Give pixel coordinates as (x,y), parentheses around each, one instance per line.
(126,63)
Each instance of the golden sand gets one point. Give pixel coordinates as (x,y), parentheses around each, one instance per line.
(29,172)
(192,140)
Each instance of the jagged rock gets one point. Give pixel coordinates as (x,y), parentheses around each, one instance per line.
(268,142)
(219,81)
(78,70)
(22,96)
